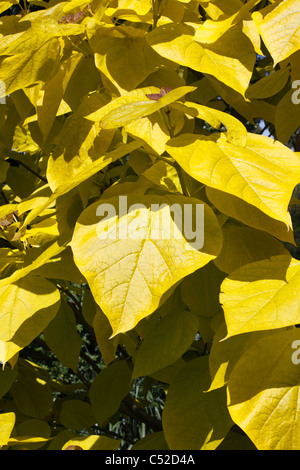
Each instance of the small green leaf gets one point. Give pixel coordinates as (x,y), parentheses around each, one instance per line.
(194,419)
(108,389)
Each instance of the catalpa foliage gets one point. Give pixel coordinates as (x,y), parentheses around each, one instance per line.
(169,105)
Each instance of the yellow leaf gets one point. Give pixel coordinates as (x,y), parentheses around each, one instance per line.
(53,92)
(250,215)
(262,295)
(31,57)
(217,9)
(236,131)
(7,422)
(226,352)
(114,55)
(151,130)
(9,352)
(77,144)
(60,266)
(48,253)
(279,28)
(6,5)
(131,260)
(258,173)
(263,392)
(82,174)
(93,442)
(140,8)
(230,59)
(27,306)
(251,31)
(165,175)
(134,105)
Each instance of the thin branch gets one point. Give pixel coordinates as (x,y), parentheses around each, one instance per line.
(184,188)
(90,361)
(83,379)
(42,178)
(141,415)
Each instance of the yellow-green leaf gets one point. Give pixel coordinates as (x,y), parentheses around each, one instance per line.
(32,433)
(62,337)
(269,85)
(76,414)
(200,291)
(7,378)
(30,443)
(243,245)
(287,117)
(78,144)
(103,332)
(165,175)
(61,266)
(153,441)
(108,389)
(52,94)
(53,250)
(31,391)
(167,341)
(194,419)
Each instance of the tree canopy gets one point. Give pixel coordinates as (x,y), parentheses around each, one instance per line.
(149,269)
